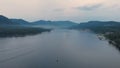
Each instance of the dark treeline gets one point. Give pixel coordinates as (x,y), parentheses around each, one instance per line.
(110,30)
(112,34)
(20,31)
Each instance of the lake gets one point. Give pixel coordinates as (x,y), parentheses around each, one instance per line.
(58,49)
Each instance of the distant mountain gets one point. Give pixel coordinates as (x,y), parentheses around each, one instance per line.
(57,24)
(16,28)
(45,24)
(42,22)
(92,24)
(64,23)
(20,21)
(5,21)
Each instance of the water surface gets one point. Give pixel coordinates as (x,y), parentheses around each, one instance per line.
(58,49)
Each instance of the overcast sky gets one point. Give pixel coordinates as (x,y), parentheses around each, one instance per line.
(74,10)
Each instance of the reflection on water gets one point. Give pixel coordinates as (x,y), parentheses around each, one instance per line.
(58,49)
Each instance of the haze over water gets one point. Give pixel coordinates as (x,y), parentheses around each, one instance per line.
(71,49)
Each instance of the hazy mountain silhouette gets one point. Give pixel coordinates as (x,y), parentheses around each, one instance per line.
(16,28)
(58,24)
(20,21)
(42,23)
(5,21)
(92,24)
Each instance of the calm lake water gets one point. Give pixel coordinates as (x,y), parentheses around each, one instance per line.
(58,49)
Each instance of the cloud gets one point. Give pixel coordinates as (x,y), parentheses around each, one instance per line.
(75,10)
(90,7)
